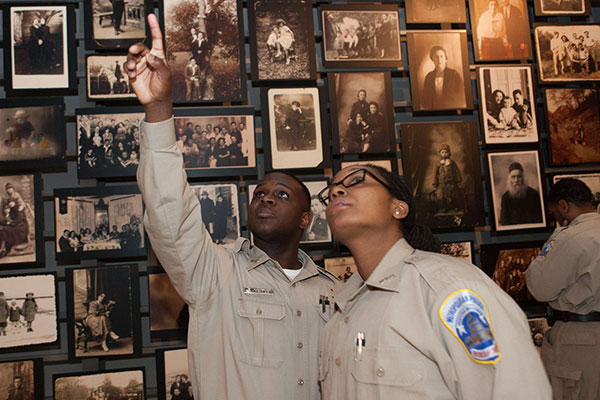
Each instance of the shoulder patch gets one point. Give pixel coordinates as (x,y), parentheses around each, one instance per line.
(466,315)
(544,252)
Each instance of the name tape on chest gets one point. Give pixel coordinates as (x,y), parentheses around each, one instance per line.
(466,315)
(258,291)
(544,252)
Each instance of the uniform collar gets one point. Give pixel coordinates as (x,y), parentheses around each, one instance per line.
(584,218)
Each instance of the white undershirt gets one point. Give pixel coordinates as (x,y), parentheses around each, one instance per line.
(292,273)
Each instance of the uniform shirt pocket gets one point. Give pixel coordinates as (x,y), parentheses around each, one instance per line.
(578,338)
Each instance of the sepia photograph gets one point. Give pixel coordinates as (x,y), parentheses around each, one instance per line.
(116,384)
(573,120)
(508,104)
(361,36)
(169,315)
(282,40)
(435,11)
(562,7)
(592,180)
(441,165)
(216,141)
(108,142)
(516,190)
(500,30)
(176,382)
(362,112)
(440,78)
(220,211)
(103,311)
(343,267)
(205,49)
(29,317)
(98,223)
(390,164)
(294,134)
(22,380)
(568,53)
(538,328)
(106,79)
(462,250)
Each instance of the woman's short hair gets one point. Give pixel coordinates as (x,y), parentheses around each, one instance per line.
(434,49)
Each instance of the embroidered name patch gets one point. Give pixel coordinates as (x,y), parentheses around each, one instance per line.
(544,252)
(259,291)
(466,315)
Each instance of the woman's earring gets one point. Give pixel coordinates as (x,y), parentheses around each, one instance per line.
(397,212)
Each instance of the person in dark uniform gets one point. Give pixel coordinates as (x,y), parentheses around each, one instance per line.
(294,126)
(117,17)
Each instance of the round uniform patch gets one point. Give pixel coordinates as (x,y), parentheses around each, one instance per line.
(544,252)
(466,315)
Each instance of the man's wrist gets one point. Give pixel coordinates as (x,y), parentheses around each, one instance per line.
(158,111)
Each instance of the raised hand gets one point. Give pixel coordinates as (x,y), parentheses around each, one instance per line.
(150,76)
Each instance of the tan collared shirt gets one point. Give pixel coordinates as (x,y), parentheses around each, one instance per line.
(253,333)
(408,352)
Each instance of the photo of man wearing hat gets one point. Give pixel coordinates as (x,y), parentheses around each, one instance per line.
(520,203)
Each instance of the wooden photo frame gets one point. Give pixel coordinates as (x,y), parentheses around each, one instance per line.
(591,179)
(342,266)
(26,375)
(173,374)
(435,11)
(538,328)
(553,8)
(84,385)
(450,52)
(169,314)
(461,250)
(282,40)
(106,79)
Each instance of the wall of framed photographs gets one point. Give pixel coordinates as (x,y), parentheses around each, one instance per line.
(424,88)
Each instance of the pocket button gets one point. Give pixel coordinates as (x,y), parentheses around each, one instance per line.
(380,372)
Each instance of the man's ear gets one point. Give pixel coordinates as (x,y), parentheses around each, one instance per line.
(563,206)
(305,220)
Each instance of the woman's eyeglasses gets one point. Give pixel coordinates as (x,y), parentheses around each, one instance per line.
(353,178)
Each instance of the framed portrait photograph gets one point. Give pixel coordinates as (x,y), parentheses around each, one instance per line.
(462,250)
(441,78)
(282,40)
(30,320)
(573,120)
(173,374)
(103,311)
(362,112)
(39,49)
(220,211)
(216,141)
(435,11)
(169,315)
(361,36)
(567,53)
(516,190)
(391,164)
(500,30)
(205,50)
(106,79)
(115,24)
(21,221)
(538,327)
(23,379)
(592,180)
(102,222)
(553,8)
(441,164)
(343,266)
(506,109)
(32,134)
(293,131)
(108,141)
(122,384)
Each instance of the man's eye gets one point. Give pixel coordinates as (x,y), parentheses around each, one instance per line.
(259,194)
(284,195)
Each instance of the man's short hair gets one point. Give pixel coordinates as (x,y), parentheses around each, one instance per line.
(516,92)
(572,191)
(434,49)
(306,205)
(296,103)
(361,90)
(514,166)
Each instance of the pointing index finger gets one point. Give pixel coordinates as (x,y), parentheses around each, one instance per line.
(157,43)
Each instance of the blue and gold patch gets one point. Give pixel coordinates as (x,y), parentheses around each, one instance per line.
(466,315)
(544,252)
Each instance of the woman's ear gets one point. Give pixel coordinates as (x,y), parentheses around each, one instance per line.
(400,210)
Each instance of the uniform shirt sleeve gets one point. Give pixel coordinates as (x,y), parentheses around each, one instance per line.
(173,218)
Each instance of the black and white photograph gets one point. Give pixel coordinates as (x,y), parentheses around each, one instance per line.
(538,327)
(27,311)
(294,133)
(108,142)
(361,36)
(573,120)
(32,132)
(21,221)
(568,53)
(282,40)
(22,380)
(115,24)
(435,11)
(343,267)
(440,77)
(173,370)
(216,141)
(441,165)
(220,211)
(39,48)
(592,180)
(500,30)
(462,250)
(169,315)
(98,223)
(205,49)
(106,79)
(123,384)
(388,164)
(362,112)
(507,95)
(562,7)
(103,311)
(516,190)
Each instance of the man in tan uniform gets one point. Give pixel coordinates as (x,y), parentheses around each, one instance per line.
(566,274)
(256,312)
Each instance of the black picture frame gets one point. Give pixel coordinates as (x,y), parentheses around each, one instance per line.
(551,8)
(133,19)
(171,363)
(435,11)
(342,46)
(571,127)
(29,253)
(119,311)
(105,78)
(31,372)
(422,46)
(23,77)
(591,179)
(273,56)
(223,117)
(39,132)
(222,24)
(99,164)
(538,327)
(446,187)
(169,314)
(370,93)
(463,250)
(101,242)
(341,265)
(75,385)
